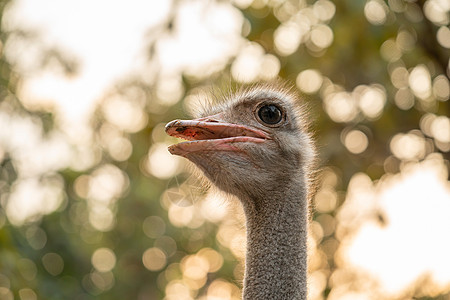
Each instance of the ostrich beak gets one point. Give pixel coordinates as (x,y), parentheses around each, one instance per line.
(211,134)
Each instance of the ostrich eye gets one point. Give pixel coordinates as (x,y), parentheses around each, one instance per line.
(270,114)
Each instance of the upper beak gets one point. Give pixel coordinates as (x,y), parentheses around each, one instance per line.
(210,134)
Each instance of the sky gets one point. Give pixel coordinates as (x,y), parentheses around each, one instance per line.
(107,43)
(110,45)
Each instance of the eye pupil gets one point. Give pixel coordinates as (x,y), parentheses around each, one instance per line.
(270,114)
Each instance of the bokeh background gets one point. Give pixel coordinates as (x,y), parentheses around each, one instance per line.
(94,207)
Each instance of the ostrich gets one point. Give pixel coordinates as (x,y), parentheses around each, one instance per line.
(255,145)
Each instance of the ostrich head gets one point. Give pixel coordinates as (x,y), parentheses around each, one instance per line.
(252,144)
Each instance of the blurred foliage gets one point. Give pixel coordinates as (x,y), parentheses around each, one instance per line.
(53,256)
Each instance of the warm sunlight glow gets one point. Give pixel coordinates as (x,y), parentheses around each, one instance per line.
(206,35)
(214,259)
(341,107)
(105,185)
(178,290)
(53,151)
(270,67)
(252,64)
(371,100)
(390,51)
(194,267)
(27,294)
(399,77)
(309,81)
(410,146)
(31,198)
(154,259)
(437,11)
(103,259)
(324,10)
(6,293)
(321,36)
(288,36)
(420,81)
(170,90)
(325,200)
(160,163)
(213,207)
(118,146)
(376,12)
(405,40)
(94,206)
(101,280)
(404,98)
(356,141)
(232,236)
(441,88)
(125,114)
(101,63)
(443,36)
(317,282)
(440,129)
(180,216)
(222,290)
(386,250)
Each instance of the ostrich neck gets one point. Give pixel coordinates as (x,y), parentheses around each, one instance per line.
(276,260)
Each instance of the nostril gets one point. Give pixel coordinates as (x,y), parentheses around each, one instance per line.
(206,119)
(211,120)
(216,118)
